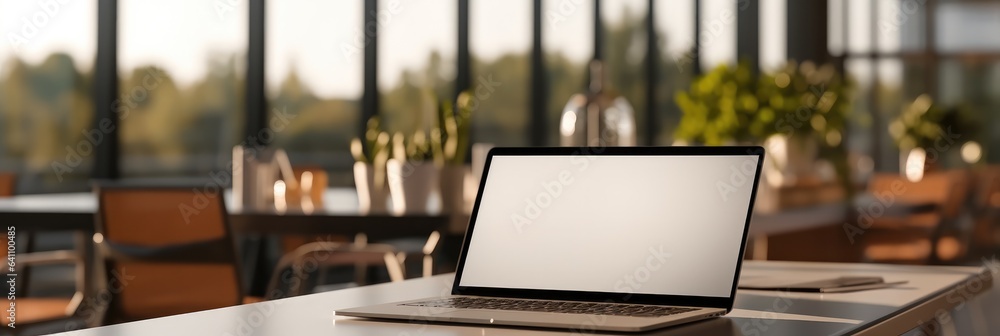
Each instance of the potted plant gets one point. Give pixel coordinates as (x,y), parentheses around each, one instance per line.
(799,112)
(454,126)
(925,132)
(370,168)
(412,174)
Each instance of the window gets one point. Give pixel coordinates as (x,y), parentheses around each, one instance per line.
(314,54)
(675,41)
(47,134)
(568,42)
(417,45)
(894,57)
(182,78)
(624,49)
(501,70)
(717,38)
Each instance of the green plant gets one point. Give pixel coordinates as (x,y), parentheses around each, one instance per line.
(377,151)
(719,107)
(804,100)
(923,123)
(799,100)
(376,144)
(453,130)
(418,147)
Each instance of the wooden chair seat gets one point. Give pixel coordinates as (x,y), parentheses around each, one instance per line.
(37,310)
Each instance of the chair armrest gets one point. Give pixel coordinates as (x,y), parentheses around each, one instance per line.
(48,258)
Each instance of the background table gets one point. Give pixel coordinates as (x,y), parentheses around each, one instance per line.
(951,291)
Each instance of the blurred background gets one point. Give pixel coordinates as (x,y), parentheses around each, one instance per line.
(311,63)
(849,97)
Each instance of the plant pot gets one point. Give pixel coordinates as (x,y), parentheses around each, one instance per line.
(371,198)
(411,185)
(453,188)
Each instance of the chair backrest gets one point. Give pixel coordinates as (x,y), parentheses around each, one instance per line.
(939,188)
(7,184)
(167,251)
(316,256)
(987,193)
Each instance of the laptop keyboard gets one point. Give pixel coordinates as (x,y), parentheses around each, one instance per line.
(567,307)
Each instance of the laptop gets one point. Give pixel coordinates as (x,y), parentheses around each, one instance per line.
(610,239)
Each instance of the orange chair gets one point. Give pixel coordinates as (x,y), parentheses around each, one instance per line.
(313,258)
(7,184)
(308,197)
(35,312)
(167,251)
(986,210)
(921,237)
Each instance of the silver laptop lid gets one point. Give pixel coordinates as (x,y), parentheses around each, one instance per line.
(662,225)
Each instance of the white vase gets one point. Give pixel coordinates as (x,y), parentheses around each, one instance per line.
(371,198)
(411,185)
(453,180)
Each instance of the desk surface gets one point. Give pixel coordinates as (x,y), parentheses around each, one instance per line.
(756,313)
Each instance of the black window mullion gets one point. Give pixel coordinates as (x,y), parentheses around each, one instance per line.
(464,73)
(652,76)
(539,87)
(369,99)
(256,103)
(106,165)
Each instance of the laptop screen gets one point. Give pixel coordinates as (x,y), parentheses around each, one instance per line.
(664,225)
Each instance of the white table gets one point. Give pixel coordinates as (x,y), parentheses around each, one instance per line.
(932,291)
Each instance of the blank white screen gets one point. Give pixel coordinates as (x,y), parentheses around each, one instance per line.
(628,224)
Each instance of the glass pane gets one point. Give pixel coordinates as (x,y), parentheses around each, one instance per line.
(900,25)
(968,26)
(416,61)
(675,35)
(318,85)
(47,134)
(835,26)
(181,85)
(500,44)
(718,33)
(773,34)
(859,26)
(975,86)
(860,140)
(568,41)
(900,82)
(625,54)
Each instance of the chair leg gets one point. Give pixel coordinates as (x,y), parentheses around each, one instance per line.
(428,266)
